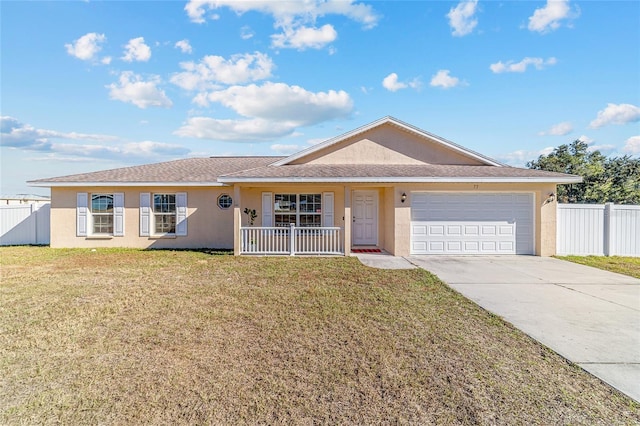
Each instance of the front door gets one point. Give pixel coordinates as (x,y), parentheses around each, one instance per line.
(365,218)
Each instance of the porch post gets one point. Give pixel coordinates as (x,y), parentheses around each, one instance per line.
(347,220)
(237,221)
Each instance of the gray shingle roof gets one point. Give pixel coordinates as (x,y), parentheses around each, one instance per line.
(196,170)
(388,172)
(220,170)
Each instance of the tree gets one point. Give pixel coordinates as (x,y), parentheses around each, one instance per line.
(615,180)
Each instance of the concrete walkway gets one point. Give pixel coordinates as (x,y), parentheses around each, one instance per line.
(587,315)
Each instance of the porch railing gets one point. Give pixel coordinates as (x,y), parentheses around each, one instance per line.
(291,240)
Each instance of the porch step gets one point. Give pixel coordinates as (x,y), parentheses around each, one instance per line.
(365,250)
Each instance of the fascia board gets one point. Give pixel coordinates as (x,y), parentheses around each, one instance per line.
(121,184)
(401,180)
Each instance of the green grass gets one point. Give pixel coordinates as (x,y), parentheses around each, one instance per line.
(622,265)
(182,337)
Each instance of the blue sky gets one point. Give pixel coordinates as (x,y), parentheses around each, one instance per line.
(88,86)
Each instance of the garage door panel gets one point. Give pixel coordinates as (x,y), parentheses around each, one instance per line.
(471,246)
(472,223)
(436,246)
(471,230)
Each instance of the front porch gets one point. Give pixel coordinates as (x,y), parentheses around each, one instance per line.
(292,220)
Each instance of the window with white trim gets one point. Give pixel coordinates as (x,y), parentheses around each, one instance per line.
(225,201)
(303,210)
(102,214)
(164,213)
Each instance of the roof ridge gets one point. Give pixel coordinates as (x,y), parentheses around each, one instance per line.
(244,156)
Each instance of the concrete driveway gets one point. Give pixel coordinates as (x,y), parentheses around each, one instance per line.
(589,316)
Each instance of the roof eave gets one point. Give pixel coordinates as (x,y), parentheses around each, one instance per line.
(401,180)
(121,184)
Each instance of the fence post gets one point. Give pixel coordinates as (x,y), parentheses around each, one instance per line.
(292,239)
(607,229)
(34,216)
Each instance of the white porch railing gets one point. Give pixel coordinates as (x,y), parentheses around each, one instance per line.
(291,240)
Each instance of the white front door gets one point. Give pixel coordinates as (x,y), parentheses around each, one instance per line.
(365,218)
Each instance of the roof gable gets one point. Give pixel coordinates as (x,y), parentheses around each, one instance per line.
(388,141)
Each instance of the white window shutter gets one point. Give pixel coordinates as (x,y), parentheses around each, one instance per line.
(267,209)
(118,214)
(145,214)
(327,209)
(181,213)
(82,214)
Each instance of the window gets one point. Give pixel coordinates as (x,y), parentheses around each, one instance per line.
(225,201)
(102,213)
(298,209)
(164,213)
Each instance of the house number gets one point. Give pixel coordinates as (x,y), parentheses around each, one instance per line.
(475,186)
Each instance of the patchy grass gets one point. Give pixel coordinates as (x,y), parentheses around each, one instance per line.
(148,337)
(620,264)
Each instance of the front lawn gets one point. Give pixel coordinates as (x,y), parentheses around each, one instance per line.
(620,264)
(183,337)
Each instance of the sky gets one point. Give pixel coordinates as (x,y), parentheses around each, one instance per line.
(88,86)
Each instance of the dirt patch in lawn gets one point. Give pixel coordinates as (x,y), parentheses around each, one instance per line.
(126,336)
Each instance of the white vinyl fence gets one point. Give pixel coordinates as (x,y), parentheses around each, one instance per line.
(598,229)
(24,224)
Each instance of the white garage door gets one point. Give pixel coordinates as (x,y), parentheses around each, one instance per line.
(463,223)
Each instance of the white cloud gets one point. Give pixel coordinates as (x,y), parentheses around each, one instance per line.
(213,70)
(184,46)
(270,111)
(548,18)
(616,114)
(246,33)
(392,84)
(87,46)
(444,80)
(632,145)
(283,103)
(19,135)
(461,18)
(28,138)
(510,66)
(146,150)
(136,50)
(106,60)
(586,139)
(296,19)
(288,11)
(250,130)
(559,129)
(303,37)
(131,88)
(520,157)
(285,149)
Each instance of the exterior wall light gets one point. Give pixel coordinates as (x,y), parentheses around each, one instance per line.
(403,197)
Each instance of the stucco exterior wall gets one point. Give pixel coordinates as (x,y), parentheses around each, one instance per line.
(387,145)
(208,226)
(211,227)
